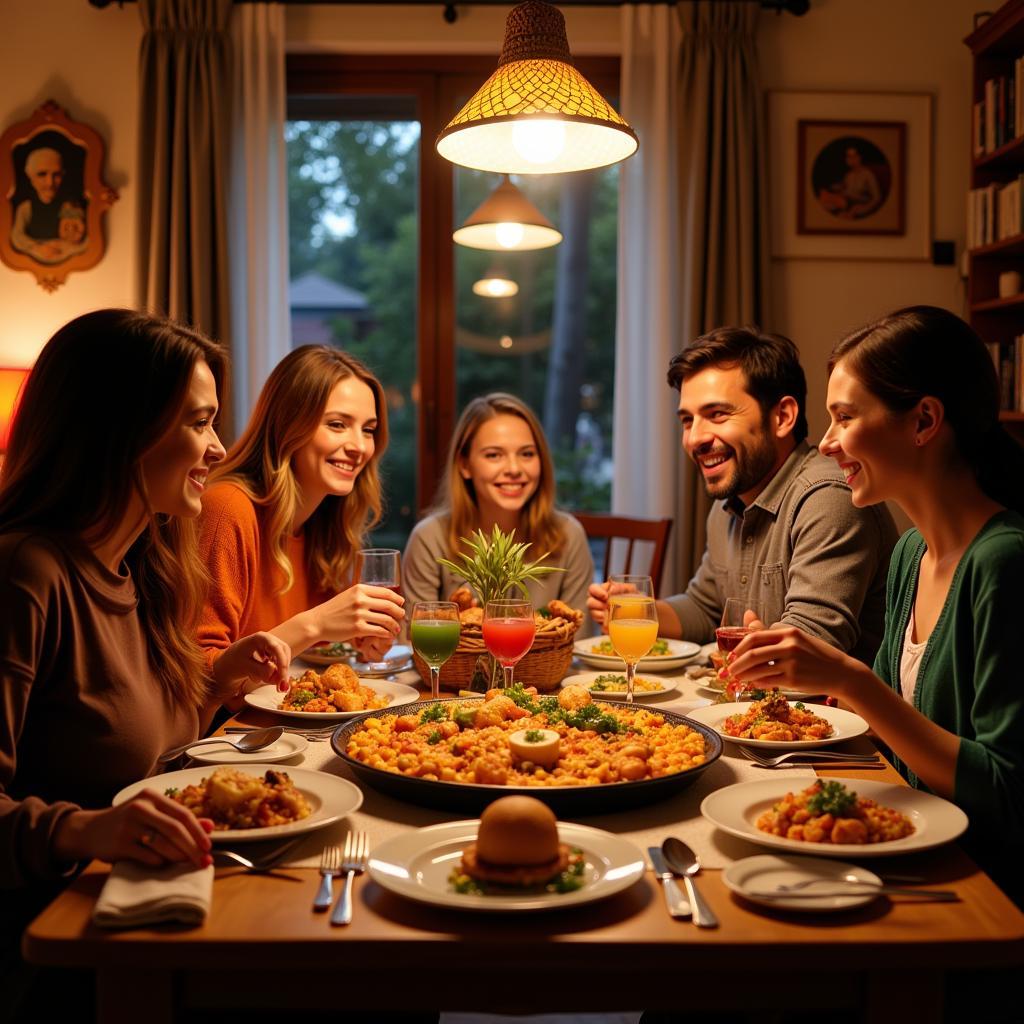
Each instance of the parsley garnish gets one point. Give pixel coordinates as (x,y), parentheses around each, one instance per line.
(832,798)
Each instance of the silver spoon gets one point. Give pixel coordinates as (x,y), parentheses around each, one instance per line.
(683,861)
(255,740)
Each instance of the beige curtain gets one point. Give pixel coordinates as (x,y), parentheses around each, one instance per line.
(183,166)
(723,213)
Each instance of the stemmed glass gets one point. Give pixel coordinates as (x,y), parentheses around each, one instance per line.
(729,634)
(379,567)
(633,628)
(434,631)
(508,629)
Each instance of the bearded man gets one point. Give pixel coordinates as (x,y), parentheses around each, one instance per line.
(784,537)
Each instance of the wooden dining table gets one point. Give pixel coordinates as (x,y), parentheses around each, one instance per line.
(262,946)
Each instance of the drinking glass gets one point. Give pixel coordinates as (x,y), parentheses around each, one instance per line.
(624,584)
(633,628)
(729,634)
(508,633)
(434,631)
(379,567)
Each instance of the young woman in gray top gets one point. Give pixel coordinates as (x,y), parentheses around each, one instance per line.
(499,473)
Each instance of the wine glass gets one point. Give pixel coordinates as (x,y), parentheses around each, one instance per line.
(508,629)
(434,631)
(379,567)
(729,634)
(633,628)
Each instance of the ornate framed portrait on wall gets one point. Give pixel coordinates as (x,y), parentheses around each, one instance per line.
(53,196)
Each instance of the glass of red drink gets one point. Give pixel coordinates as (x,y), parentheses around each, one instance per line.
(731,632)
(508,633)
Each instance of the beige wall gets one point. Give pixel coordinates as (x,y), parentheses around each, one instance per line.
(868,46)
(86,60)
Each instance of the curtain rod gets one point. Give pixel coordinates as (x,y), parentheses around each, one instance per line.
(798,8)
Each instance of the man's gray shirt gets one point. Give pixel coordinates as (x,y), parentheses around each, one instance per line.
(800,554)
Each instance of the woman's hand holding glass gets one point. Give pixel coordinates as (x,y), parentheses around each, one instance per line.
(633,628)
(361,611)
(788,658)
(434,631)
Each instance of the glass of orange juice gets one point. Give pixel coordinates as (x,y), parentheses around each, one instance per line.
(632,628)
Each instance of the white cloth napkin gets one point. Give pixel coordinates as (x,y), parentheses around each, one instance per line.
(136,895)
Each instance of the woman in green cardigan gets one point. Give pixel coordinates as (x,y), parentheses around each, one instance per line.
(914,407)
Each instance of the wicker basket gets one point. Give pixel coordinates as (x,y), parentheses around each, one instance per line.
(543,666)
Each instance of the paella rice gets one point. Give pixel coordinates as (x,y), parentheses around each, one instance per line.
(468,742)
(774,718)
(337,688)
(233,799)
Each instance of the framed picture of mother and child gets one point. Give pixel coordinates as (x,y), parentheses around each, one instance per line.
(53,196)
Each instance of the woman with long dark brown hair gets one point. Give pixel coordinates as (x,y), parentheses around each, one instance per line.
(914,406)
(499,473)
(290,506)
(100,590)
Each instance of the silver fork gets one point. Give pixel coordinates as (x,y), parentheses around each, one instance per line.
(812,755)
(357,850)
(330,865)
(847,879)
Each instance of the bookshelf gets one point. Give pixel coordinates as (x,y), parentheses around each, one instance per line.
(995,203)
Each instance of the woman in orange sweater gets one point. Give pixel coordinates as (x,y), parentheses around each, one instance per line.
(289,508)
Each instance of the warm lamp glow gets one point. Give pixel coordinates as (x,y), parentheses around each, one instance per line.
(495,285)
(536,114)
(507,220)
(11,382)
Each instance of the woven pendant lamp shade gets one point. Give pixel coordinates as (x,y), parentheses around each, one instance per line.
(507,221)
(536,114)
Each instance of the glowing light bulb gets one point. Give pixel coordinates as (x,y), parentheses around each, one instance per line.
(539,141)
(505,342)
(508,235)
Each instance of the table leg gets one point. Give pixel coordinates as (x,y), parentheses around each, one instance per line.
(124,996)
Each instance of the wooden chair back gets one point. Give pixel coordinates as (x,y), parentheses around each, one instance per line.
(610,528)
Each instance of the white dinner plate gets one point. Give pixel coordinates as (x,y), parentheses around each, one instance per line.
(845,726)
(768,872)
(268,698)
(288,745)
(716,685)
(735,809)
(320,657)
(417,864)
(679,653)
(587,680)
(330,798)
(398,659)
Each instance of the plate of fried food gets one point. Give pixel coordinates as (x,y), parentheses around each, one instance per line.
(572,752)
(598,652)
(612,685)
(776,723)
(516,857)
(259,801)
(334,694)
(835,817)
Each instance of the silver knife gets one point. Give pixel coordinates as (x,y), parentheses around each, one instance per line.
(678,905)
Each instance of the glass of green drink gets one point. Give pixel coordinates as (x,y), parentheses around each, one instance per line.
(434,631)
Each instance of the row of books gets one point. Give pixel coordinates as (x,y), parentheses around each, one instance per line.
(999,116)
(1009,363)
(995,212)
